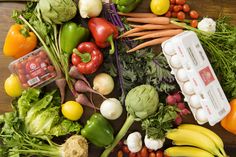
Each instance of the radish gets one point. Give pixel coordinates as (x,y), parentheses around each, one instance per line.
(82,87)
(178,120)
(170,100)
(177,97)
(185,112)
(61,84)
(181,105)
(83,100)
(74,73)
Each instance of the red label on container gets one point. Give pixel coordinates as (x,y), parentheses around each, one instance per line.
(206,75)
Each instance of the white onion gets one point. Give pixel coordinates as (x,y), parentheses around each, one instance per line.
(201,115)
(103,83)
(111,108)
(90,8)
(182,75)
(194,101)
(175,61)
(188,88)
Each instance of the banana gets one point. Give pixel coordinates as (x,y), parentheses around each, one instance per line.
(193,138)
(187,152)
(213,136)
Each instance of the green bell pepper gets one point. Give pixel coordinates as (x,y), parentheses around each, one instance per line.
(71,35)
(98,131)
(126,6)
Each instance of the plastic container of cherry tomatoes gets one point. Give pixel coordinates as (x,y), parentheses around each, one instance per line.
(34,69)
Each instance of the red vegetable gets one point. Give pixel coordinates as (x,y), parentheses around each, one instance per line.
(171,7)
(181,105)
(194,23)
(144,152)
(61,84)
(170,100)
(181,2)
(186,8)
(194,14)
(174,14)
(181,15)
(178,120)
(132,154)
(83,100)
(103,32)
(152,154)
(125,149)
(172,1)
(177,97)
(159,153)
(168,14)
(176,8)
(87,57)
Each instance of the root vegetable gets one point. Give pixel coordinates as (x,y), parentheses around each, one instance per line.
(111,108)
(153,26)
(151,20)
(170,100)
(177,97)
(149,43)
(74,73)
(137,15)
(83,100)
(140,33)
(130,32)
(61,84)
(82,87)
(103,83)
(161,33)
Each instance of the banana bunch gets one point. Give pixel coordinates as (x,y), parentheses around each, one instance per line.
(194,141)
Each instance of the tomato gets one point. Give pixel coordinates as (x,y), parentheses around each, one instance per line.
(181,15)
(176,8)
(194,23)
(174,14)
(42,54)
(186,8)
(72,110)
(152,154)
(159,153)
(22,78)
(194,14)
(181,2)
(125,149)
(171,7)
(31,66)
(144,152)
(119,153)
(50,68)
(159,7)
(172,1)
(180,7)
(12,86)
(168,14)
(132,154)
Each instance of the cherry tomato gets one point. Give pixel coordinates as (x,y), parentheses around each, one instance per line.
(132,154)
(181,15)
(159,153)
(186,8)
(21,71)
(54,74)
(152,154)
(144,152)
(180,7)
(119,153)
(194,23)
(22,78)
(174,14)
(171,7)
(176,8)
(75,59)
(18,65)
(194,14)
(31,66)
(172,1)
(181,2)
(42,54)
(38,60)
(125,149)
(168,14)
(50,68)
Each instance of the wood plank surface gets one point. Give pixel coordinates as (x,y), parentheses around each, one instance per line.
(210,8)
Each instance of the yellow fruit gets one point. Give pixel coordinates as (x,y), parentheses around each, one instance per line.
(12,86)
(72,110)
(159,7)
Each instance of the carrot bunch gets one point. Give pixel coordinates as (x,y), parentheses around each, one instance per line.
(151,28)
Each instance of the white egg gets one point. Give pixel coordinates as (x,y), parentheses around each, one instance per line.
(201,115)
(188,88)
(175,61)
(169,48)
(182,75)
(194,101)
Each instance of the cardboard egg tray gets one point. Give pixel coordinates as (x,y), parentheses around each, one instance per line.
(196,78)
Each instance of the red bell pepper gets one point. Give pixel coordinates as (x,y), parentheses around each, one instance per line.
(87,57)
(103,32)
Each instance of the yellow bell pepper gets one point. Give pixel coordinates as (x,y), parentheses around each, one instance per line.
(19,41)
(229,122)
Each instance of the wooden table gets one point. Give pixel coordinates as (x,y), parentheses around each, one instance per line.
(211,8)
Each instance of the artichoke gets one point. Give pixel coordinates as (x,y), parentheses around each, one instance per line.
(57,11)
(142,101)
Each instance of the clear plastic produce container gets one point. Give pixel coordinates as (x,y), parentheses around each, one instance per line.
(34,69)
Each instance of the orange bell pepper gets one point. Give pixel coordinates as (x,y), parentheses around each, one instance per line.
(19,41)
(229,122)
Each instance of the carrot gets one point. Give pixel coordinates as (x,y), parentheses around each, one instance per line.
(136,34)
(151,20)
(145,15)
(161,33)
(130,32)
(153,26)
(149,43)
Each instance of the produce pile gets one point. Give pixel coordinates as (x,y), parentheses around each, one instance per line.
(105,51)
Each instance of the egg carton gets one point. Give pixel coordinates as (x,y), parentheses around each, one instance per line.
(196,78)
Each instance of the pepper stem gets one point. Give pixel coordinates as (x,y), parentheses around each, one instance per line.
(110,40)
(24,31)
(128,122)
(85,57)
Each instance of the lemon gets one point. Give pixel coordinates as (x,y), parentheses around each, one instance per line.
(72,110)
(12,86)
(159,7)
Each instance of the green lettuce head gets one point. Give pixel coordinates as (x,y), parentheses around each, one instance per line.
(142,101)
(57,11)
